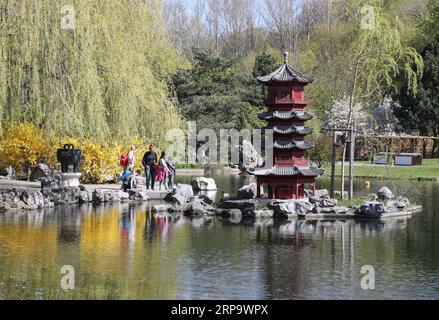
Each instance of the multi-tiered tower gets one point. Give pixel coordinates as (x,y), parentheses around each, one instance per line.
(286,116)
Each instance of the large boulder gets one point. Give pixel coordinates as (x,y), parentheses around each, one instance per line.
(231,214)
(385,194)
(184,190)
(178,200)
(397,204)
(204,184)
(85,196)
(8,173)
(322,193)
(51,182)
(290,207)
(247,206)
(249,191)
(123,195)
(198,207)
(39,171)
(98,196)
(371,209)
(32,199)
(264,213)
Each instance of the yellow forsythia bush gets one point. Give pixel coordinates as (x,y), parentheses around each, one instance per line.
(23,145)
(100,163)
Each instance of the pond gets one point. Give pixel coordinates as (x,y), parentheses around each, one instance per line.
(123,252)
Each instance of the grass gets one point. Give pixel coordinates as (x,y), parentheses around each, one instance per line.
(428,170)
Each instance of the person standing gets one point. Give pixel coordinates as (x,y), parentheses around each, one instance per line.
(172,171)
(131,158)
(148,161)
(164,170)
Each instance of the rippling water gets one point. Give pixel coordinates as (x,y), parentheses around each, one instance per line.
(123,252)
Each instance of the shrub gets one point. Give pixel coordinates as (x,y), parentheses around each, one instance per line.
(24,145)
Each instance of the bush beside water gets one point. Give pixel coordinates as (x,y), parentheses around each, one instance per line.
(23,145)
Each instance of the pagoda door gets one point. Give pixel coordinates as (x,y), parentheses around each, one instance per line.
(284,192)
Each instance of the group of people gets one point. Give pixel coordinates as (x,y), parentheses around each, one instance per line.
(160,170)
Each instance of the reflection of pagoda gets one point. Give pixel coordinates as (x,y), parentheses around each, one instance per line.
(286,116)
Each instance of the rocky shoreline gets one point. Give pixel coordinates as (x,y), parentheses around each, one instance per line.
(195,200)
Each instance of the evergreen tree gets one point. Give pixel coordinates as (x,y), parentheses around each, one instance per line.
(420,113)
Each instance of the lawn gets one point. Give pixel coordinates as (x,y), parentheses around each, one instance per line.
(428,170)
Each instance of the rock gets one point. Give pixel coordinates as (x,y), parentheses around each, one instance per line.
(247,207)
(372,197)
(123,196)
(205,198)
(179,200)
(8,173)
(372,208)
(184,190)
(204,184)
(264,213)
(231,214)
(322,202)
(32,199)
(85,196)
(398,204)
(51,182)
(98,196)
(322,193)
(137,194)
(250,157)
(293,206)
(199,207)
(39,171)
(162,208)
(111,196)
(385,194)
(249,191)
(402,202)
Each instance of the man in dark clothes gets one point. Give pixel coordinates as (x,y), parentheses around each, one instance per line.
(148,161)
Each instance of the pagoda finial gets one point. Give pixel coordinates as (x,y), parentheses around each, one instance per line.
(286,57)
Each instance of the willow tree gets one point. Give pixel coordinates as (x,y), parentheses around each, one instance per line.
(96,69)
(377,54)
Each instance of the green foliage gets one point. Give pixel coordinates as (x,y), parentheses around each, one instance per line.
(104,79)
(321,154)
(430,21)
(420,112)
(217,94)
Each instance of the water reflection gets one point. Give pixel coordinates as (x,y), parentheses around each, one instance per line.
(125,252)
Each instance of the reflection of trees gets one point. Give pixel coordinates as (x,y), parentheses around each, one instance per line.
(304,255)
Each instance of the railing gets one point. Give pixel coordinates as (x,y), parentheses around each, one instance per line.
(285,101)
(291,162)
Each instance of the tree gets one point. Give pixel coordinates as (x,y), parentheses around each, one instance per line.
(377,54)
(217,94)
(420,112)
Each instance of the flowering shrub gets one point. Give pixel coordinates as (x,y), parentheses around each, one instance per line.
(23,145)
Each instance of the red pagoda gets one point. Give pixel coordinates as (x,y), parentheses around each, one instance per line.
(286,117)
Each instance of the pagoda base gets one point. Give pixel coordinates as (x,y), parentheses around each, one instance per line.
(286,187)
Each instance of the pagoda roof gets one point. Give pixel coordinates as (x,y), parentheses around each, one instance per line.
(301,115)
(285,129)
(287,171)
(285,74)
(292,144)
